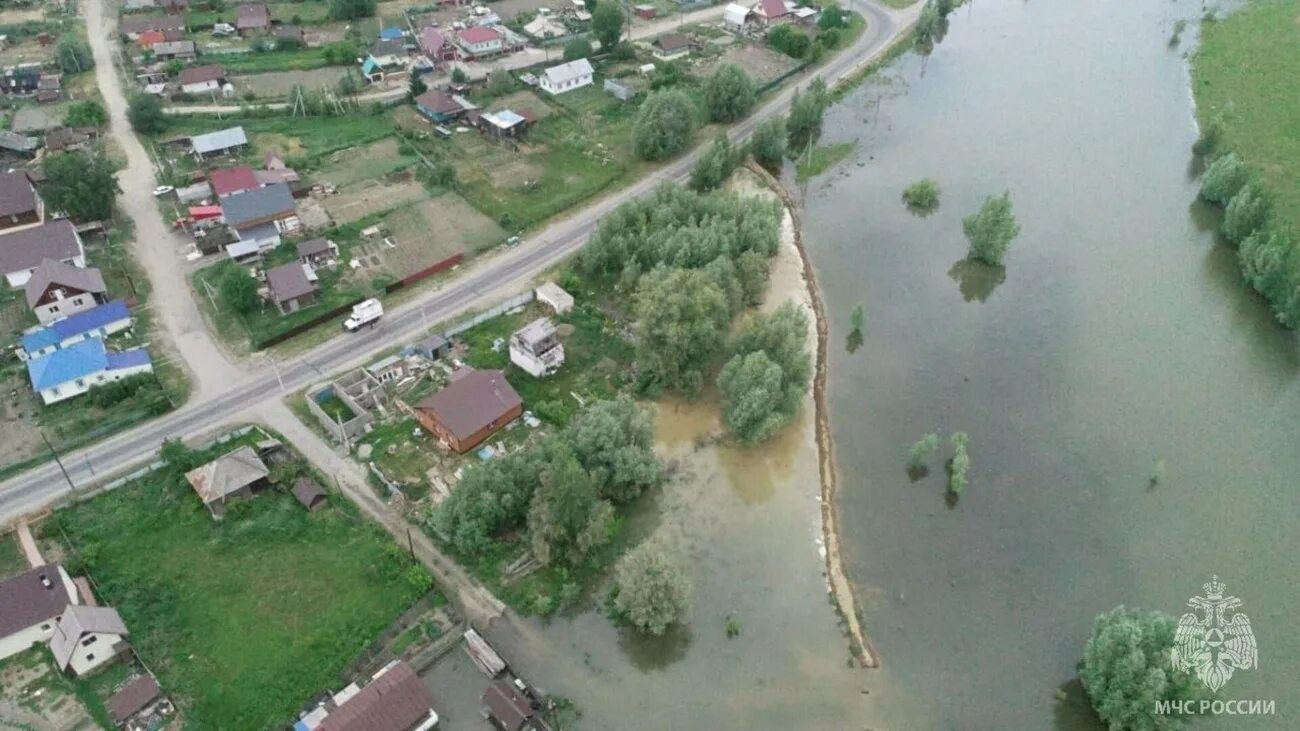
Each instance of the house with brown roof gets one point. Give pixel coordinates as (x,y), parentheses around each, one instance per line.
(138,695)
(232,476)
(439,106)
(671,46)
(394,700)
(57,290)
(474,406)
(229,181)
(88,638)
(23,249)
(510,709)
(291,286)
(20,205)
(309,494)
(30,605)
(771,11)
(252,19)
(201,79)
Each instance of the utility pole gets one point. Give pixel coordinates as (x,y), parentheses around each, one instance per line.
(410,545)
(58,461)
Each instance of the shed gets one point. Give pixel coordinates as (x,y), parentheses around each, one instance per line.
(309,494)
(219,142)
(619,90)
(432,347)
(550,293)
(508,706)
(734,16)
(134,697)
(291,287)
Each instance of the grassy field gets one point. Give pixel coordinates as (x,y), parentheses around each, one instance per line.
(305,142)
(298,59)
(1245,73)
(822,158)
(11,556)
(245,619)
(299,13)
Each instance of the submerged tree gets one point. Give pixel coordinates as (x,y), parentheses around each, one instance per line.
(682,318)
(768,144)
(960,464)
(653,591)
(921,451)
(991,230)
(614,441)
(922,197)
(1127,671)
(567,519)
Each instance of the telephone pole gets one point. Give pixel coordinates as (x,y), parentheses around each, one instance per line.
(57,460)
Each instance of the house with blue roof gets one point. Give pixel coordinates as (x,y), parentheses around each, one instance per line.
(74,370)
(96,323)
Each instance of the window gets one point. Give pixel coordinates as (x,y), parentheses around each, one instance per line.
(90,657)
(89,641)
(45,627)
(54,308)
(81,383)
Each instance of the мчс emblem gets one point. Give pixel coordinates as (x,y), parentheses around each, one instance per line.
(1214,644)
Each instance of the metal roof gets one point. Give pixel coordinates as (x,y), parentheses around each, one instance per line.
(26,249)
(78,621)
(289,282)
(504,119)
(565,72)
(17,195)
(25,601)
(394,700)
(273,201)
(472,402)
(51,272)
(220,140)
(81,323)
(226,181)
(228,473)
(68,364)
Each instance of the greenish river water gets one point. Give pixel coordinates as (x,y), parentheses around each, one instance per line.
(1121,336)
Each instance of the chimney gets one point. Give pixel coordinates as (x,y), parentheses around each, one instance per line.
(45,581)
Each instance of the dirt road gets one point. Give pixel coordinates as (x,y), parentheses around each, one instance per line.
(156,248)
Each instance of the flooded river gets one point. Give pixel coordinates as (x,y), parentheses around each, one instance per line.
(1119,339)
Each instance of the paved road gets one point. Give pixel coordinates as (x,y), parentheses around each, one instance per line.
(491,279)
(155,247)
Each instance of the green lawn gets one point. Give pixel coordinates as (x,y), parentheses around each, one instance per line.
(11,556)
(298,59)
(300,13)
(243,620)
(1246,73)
(303,140)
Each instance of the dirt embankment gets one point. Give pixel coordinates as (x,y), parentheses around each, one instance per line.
(840,587)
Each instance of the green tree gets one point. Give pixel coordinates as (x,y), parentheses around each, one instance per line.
(804,126)
(146,114)
(576,49)
(416,87)
(439,175)
(1126,670)
(607,24)
(74,54)
(1247,212)
(991,230)
(768,143)
(1269,261)
(960,464)
(351,9)
(714,165)
(763,383)
(80,184)
(87,113)
(921,451)
(752,270)
(653,591)
(929,25)
(238,291)
(728,93)
(458,76)
(681,321)
(567,518)
(614,441)
(499,83)
(789,40)
(664,125)
(922,197)
(832,17)
(1225,176)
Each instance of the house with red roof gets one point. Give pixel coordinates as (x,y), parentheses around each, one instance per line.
(229,181)
(771,11)
(481,41)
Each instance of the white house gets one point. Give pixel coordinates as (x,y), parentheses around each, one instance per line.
(87,638)
(97,322)
(21,251)
(536,349)
(201,79)
(734,16)
(30,606)
(74,370)
(56,290)
(480,41)
(567,76)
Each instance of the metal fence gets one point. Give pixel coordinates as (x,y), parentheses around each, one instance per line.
(518,300)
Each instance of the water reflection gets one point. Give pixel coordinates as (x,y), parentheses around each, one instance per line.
(977,280)
(647,652)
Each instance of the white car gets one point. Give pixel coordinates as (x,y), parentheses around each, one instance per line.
(162,190)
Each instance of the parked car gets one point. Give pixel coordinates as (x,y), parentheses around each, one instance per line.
(162,190)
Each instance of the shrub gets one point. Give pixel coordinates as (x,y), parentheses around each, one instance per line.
(664,125)
(576,49)
(789,40)
(652,590)
(922,197)
(1126,670)
(1247,212)
(728,93)
(991,229)
(1225,176)
(145,113)
(768,144)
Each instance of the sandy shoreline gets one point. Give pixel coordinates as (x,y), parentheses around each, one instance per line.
(840,588)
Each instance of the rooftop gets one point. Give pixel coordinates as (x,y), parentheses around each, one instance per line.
(507,705)
(25,600)
(51,272)
(470,403)
(479,35)
(78,324)
(134,697)
(394,700)
(273,201)
(535,332)
(26,249)
(570,71)
(79,360)
(228,473)
(220,140)
(78,621)
(17,196)
(289,282)
(226,181)
(200,74)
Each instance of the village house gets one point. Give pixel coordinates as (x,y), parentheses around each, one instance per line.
(23,249)
(261,215)
(133,26)
(504,123)
(544,26)
(74,370)
(291,288)
(645,12)
(174,50)
(309,494)
(20,205)
(388,52)
(201,79)
(57,290)
(439,106)
(771,11)
(395,699)
(671,47)
(317,252)
(433,43)
(62,139)
(218,143)
(474,406)
(23,146)
(238,474)
(137,696)
(566,77)
(734,17)
(20,79)
(97,322)
(30,606)
(388,369)
(480,41)
(509,708)
(88,638)
(289,36)
(276,171)
(536,349)
(229,181)
(252,19)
